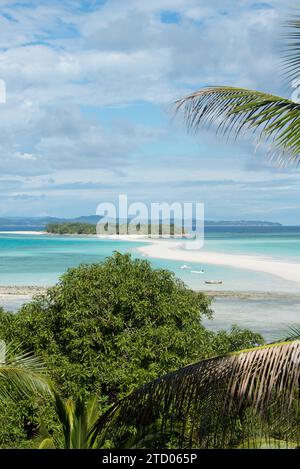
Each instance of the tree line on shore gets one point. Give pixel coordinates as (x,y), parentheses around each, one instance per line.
(107,229)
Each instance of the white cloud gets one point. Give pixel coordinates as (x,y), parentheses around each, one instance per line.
(25,156)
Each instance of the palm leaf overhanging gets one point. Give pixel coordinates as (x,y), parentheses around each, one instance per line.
(293,333)
(235,110)
(21,373)
(220,402)
(291,55)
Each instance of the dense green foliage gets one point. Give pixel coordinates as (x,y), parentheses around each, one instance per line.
(71,228)
(107,328)
(112,228)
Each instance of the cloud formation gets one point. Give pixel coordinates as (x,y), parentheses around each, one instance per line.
(89,85)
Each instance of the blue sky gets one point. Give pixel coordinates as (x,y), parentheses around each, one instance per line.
(90,87)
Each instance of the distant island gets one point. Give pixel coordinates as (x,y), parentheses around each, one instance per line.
(108,229)
(241,223)
(40,223)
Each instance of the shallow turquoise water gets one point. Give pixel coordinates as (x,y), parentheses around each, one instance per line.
(40,260)
(277,246)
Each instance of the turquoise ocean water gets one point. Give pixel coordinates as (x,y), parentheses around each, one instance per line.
(40,260)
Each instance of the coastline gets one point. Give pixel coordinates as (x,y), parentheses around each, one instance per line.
(134,238)
(161,249)
(32,290)
(20,290)
(174,250)
(23,232)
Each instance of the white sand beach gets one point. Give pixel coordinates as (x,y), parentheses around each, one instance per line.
(124,237)
(12,297)
(22,290)
(31,233)
(171,250)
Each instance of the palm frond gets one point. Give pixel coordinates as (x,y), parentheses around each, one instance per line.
(78,421)
(234,110)
(293,333)
(85,417)
(255,391)
(291,53)
(64,411)
(21,372)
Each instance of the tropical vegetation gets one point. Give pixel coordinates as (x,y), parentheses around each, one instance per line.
(103,331)
(77,420)
(113,228)
(21,372)
(71,228)
(246,399)
(118,337)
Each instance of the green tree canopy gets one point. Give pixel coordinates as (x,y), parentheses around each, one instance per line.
(107,328)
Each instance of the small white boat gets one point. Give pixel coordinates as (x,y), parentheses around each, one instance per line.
(184,266)
(197,271)
(214,282)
